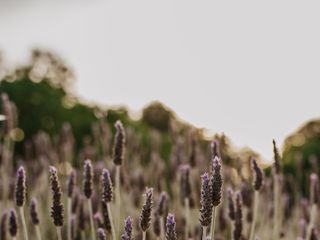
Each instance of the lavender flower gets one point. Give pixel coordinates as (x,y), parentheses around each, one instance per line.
(20,187)
(107,188)
(101,234)
(145,216)
(216,181)
(3,227)
(127,235)
(71,183)
(206,202)
(258,177)
(34,212)
(171,228)
(87,179)
(161,208)
(13,223)
(119,142)
(57,207)
(277,157)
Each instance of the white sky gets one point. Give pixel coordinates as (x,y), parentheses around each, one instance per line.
(246,68)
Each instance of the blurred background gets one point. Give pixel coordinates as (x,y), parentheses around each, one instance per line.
(247,71)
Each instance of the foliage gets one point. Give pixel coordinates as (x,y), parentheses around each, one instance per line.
(302,152)
(157,116)
(42,107)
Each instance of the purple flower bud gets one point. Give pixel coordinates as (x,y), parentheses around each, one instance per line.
(171,228)
(258,176)
(216,181)
(57,207)
(13,224)
(34,212)
(88,179)
(127,235)
(119,142)
(20,187)
(107,188)
(101,234)
(145,216)
(277,157)
(206,201)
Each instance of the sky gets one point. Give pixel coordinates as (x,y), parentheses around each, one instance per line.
(249,69)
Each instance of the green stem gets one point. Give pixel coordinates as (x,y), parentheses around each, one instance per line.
(24,225)
(69,217)
(213,223)
(118,199)
(187,216)
(255,211)
(59,233)
(93,233)
(113,232)
(161,228)
(204,233)
(276,200)
(38,233)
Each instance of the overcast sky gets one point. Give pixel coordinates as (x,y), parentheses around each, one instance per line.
(246,68)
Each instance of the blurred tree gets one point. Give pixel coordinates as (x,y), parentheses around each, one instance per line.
(156,115)
(43,107)
(40,92)
(302,153)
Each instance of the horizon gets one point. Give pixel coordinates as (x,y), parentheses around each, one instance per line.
(210,63)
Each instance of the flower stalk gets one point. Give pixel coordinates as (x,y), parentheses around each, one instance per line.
(257,184)
(216,188)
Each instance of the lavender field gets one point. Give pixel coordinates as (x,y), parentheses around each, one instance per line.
(159,120)
(111,194)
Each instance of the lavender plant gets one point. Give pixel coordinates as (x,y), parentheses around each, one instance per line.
(145,216)
(88,189)
(57,207)
(127,235)
(185,187)
(257,184)
(206,204)
(70,190)
(21,198)
(35,217)
(195,200)
(13,224)
(107,196)
(216,184)
(118,157)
